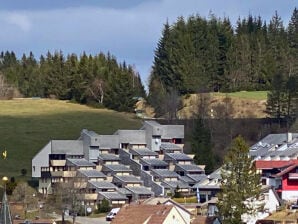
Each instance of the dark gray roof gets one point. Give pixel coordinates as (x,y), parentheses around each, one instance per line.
(186,179)
(177,156)
(175,184)
(139,190)
(164,173)
(128,179)
(108,141)
(124,191)
(172,131)
(197,177)
(91,173)
(188,167)
(143,152)
(154,162)
(113,195)
(70,147)
(131,136)
(79,163)
(108,157)
(215,175)
(101,185)
(115,167)
(207,186)
(170,146)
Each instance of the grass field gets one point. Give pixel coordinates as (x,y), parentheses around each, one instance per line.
(253,95)
(26,125)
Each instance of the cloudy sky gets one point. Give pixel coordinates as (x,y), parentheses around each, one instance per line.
(129,29)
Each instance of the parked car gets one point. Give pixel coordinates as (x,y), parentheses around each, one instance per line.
(112,214)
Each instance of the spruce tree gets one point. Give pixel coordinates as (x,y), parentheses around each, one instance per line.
(240,184)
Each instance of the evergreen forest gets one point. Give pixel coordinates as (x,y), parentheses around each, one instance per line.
(96,80)
(196,54)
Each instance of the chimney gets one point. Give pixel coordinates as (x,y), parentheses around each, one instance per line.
(289,137)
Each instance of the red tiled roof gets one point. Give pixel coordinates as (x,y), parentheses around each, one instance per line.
(135,214)
(290,168)
(270,164)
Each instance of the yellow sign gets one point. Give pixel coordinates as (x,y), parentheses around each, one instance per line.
(4,154)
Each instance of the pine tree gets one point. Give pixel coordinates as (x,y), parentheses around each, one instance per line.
(240,184)
(201,145)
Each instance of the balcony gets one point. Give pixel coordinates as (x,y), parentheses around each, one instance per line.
(56,173)
(58,162)
(69,173)
(293,176)
(90,196)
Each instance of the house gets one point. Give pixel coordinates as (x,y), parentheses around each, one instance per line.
(192,169)
(149,164)
(289,183)
(168,147)
(268,202)
(185,213)
(139,193)
(140,150)
(149,214)
(177,158)
(143,153)
(117,169)
(130,181)
(115,199)
(108,158)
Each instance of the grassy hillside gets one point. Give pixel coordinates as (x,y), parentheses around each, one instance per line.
(243,104)
(26,125)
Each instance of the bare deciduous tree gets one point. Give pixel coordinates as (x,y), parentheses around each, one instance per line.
(6,91)
(97,90)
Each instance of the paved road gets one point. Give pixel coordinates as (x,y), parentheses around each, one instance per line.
(84,220)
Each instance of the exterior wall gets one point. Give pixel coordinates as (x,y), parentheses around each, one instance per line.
(148,182)
(175,217)
(290,195)
(124,156)
(136,167)
(86,144)
(272,203)
(41,160)
(288,184)
(184,214)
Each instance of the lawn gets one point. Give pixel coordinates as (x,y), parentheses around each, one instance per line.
(26,125)
(253,95)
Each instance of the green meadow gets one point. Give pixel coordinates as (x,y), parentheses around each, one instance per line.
(253,95)
(26,125)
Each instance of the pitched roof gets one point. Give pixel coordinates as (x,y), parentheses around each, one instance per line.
(150,214)
(172,131)
(113,195)
(270,164)
(79,163)
(143,152)
(91,173)
(177,156)
(70,147)
(101,185)
(189,167)
(175,184)
(108,141)
(115,167)
(197,177)
(153,162)
(139,190)
(170,146)
(164,173)
(131,136)
(127,179)
(108,157)
(288,169)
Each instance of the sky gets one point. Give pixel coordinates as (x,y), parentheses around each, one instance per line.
(128,29)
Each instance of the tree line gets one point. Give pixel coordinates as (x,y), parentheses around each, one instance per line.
(98,79)
(205,55)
